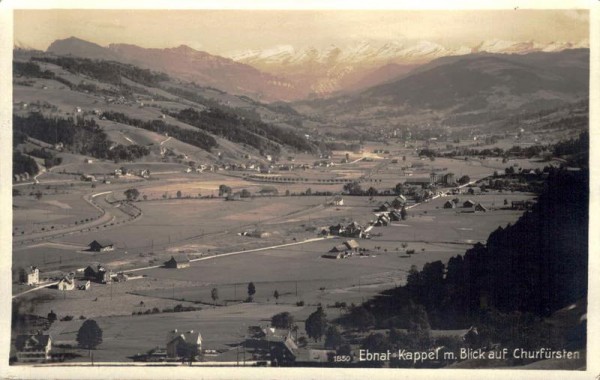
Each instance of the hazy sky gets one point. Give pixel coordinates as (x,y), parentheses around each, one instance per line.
(223,32)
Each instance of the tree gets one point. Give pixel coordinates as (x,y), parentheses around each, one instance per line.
(353,188)
(361,318)
(51,316)
(276,295)
(245,193)
(251,291)
(464,179)
(38,195)
(403,213)
(178,194)
(282,320)
(315,324)
(214,294)
(333,338)
(399,189)
(132,194)
(89,335)
(224,189)
(372,191)
(375,343)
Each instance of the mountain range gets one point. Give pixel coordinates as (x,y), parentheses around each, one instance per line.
(286,73)
(187,64)
(350,68)
(466,90)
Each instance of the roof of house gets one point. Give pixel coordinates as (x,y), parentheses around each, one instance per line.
(67,280)
(179,259)
(352,244)
(468,201)
(274,332)
(189,337)
(480,206)
(29,342)
(355,225)
(102,242)
(339,248)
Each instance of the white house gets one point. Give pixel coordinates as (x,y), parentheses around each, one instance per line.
(30,276)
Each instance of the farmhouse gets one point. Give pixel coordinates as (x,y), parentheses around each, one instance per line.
(337,230)
(338,200)
(335,255)
(354,230)
(101,246)
(386,206)
(449,204)
(382,220)
(395,215)
(176,339)
(449,179)
(480,207)
(67,283)
(282,351)
(352,245)
(178,262)
(30,276)
(85,285)
(399,201)
(33,348)
(100,274)
(468,203)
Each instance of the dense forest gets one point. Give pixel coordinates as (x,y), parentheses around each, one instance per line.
(106,71)
(262,136)
(538,265)
(24,164)
(33,70)
(80,136)
(199,139)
